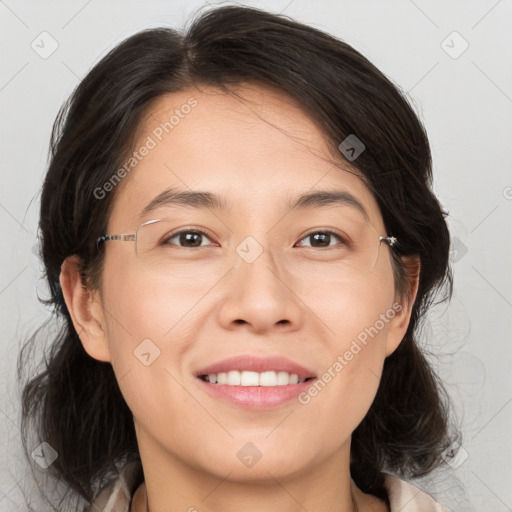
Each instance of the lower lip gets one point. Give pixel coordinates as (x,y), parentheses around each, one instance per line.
(256,397)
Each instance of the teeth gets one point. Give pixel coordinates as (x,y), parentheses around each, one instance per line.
(268,379)
(233,378)
(248,378)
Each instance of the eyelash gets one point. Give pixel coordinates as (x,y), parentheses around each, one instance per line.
(200,232)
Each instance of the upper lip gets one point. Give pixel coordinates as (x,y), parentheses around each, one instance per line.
(256,364)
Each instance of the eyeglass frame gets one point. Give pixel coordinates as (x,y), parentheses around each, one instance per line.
(390,240)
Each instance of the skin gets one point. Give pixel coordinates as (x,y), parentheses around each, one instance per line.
(257,155)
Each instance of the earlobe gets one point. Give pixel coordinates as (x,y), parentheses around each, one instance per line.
(84,309)
(400,322)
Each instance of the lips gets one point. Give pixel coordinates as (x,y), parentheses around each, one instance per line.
(273,392)
(256,364)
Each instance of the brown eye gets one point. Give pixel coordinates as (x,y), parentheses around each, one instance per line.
(322,239)
(187,239)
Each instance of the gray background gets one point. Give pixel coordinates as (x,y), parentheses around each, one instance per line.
(463,97)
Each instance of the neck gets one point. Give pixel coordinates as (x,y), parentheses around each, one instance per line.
(172,484)
(141,502)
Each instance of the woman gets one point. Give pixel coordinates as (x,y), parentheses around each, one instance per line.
(239,231)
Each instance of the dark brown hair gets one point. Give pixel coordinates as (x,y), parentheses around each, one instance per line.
(74,403)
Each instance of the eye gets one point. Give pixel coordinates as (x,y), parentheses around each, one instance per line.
(187,238)
(194,238)
(322,239)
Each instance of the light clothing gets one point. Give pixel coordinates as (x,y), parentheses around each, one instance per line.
(116,496)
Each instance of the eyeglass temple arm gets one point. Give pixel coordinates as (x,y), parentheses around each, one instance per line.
(390,240)
(109,238)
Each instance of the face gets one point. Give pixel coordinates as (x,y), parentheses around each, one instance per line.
(252,286)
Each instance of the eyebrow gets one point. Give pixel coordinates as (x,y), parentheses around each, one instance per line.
(210,201)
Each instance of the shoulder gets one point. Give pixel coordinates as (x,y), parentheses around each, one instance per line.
(405,497)
(117,494)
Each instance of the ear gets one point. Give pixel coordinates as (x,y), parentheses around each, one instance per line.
(85,309)
(403,305)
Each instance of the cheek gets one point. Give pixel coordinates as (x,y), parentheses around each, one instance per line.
(147,342)
(349,309)
(357,320)
(144,307)
(145,324)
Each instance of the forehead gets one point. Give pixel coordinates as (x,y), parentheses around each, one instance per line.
(257,150)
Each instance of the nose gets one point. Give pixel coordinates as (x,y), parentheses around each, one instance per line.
(260,297)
